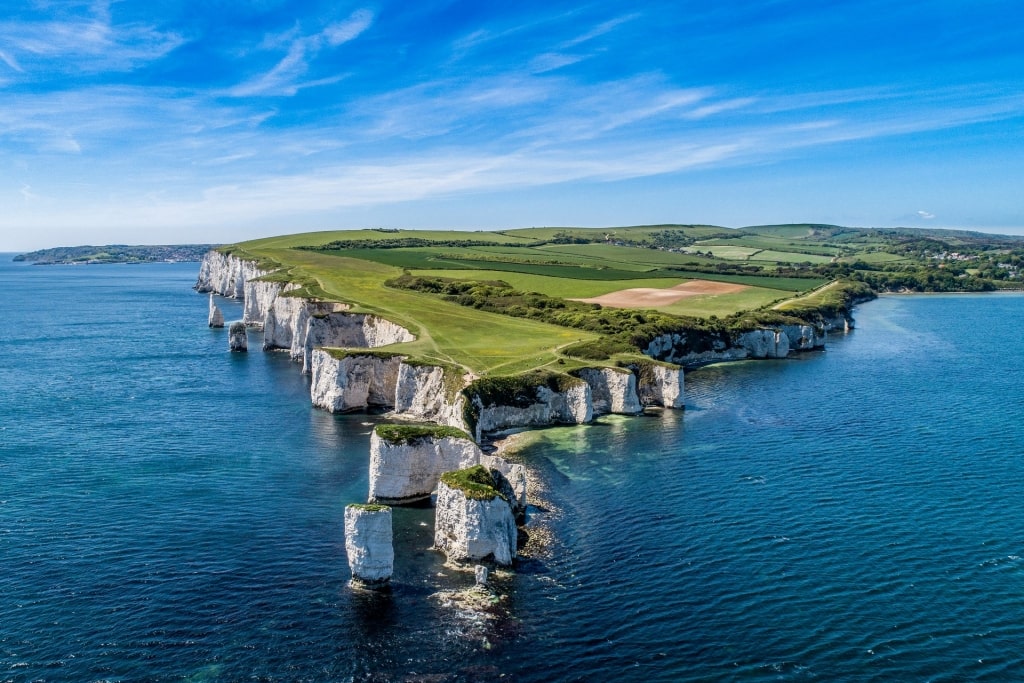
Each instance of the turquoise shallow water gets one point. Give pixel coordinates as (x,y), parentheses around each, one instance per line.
(169,511)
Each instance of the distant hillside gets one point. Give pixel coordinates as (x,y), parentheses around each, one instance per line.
(117,253)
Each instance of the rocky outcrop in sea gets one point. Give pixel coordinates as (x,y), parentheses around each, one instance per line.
(473,520)
(369,544)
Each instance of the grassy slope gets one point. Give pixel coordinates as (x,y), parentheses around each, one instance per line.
(493,344)
(481,342)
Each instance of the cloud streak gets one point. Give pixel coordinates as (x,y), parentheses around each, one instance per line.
(284,79)
(83,44)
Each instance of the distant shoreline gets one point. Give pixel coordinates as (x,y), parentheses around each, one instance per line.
(117,253)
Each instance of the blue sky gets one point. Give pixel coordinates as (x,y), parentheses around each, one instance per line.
(163,121)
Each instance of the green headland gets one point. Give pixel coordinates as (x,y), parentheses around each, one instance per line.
(505,302)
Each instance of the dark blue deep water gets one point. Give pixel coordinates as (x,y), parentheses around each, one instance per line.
(172,512)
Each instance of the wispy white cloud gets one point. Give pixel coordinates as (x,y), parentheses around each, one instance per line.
(600,30)
(350,29)
(191,155)
(552,61)
(88,43)
(285,78)
(10,61)
(925,215)
(719,107)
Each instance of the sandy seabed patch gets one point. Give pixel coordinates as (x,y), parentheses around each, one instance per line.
(648,297)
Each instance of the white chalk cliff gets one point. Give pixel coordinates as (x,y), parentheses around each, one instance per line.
(469,529)
(408,471)
(770,341)
(548,407)
(514,474)
(424,393)
(353,382)
(661,385)
(226,274)
(612,390)
(369,543)
(289,322)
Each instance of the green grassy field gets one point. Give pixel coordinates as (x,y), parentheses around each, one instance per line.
(479,341)
(580,263)
(731,251)
(789,257)
(721,305)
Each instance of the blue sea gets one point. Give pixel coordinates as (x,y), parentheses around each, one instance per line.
(170,511)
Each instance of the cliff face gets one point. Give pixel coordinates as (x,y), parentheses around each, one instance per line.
(547,407)
(612,390)
(260,297)
(407,472)
(660,385)
(368,543)
(804,337)
(225,274)
(596,391)
(354,382)
(422,392)
(328,325)
(515,475)
(289,322)
(766,342)
(470,530)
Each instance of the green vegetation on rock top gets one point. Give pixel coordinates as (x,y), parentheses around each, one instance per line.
(368,507)
(414,433)
(475,482)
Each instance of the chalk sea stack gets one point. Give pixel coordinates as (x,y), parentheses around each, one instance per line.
(216,317)
(237,339)
(368,544)
(473,520)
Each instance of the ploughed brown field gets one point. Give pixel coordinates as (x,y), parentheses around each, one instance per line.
(647,297)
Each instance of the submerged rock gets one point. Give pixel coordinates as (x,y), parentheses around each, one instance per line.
(473,521)
(368,544)
(216,318)
(238,339)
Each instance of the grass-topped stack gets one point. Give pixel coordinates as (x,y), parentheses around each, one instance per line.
(407,460)
(474,520)
(368,544)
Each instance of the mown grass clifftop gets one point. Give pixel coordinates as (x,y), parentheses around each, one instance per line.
(502,303)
